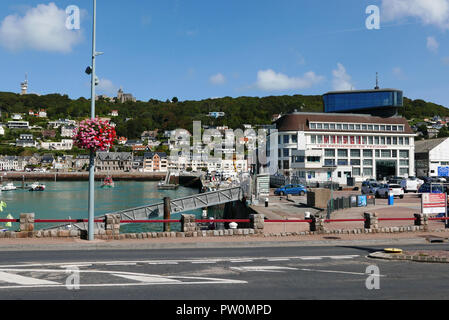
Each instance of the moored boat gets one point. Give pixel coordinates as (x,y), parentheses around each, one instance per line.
(9,187)
(36,186)
(108,183)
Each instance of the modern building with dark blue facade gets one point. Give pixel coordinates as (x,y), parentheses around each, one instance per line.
(380,102)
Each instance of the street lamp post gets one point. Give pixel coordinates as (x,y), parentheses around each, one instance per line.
(94,82)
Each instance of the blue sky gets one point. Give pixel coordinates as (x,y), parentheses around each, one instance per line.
(197,49)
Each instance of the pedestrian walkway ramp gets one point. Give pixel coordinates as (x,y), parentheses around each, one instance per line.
(190,203)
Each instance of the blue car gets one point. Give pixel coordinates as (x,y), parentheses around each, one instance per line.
(296,189)
(436,188)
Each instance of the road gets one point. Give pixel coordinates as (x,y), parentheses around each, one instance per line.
(290,273)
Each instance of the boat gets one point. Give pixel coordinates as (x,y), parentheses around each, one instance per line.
(108,183)
(9,187)
(36,186)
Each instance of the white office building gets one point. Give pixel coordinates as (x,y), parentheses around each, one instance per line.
(319,146)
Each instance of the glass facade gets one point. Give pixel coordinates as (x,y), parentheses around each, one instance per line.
(348,101)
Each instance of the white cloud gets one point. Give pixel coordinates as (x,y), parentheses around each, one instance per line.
(430,12)
(432,44)
(268,80)
(42,28)
(106,86)
(341,80)
(217,79)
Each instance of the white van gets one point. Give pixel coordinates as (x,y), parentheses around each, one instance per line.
(410,185)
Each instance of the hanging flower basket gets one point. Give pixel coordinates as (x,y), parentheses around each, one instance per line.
(95,135)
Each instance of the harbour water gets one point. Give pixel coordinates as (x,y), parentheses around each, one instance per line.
(62,200)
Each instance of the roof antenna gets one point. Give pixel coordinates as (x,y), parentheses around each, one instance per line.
(377,81)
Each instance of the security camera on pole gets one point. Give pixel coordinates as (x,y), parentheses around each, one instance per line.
(94,82)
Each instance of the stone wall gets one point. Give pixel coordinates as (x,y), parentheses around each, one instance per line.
(189,229)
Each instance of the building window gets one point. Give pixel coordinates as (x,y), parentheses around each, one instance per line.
(345,126)
(355,153)
(401,140)
(329,153)
(382,128)
(280,164)
(351,127)
(313,159)
(286,165)
(332,126)
(300,159)
(395,140)
(286,139)
(370,128)
(356,171)
(376,128)
(403,171)
(313,139)
(329,162)
(368,172)
(368,162)
(311,174)
(338,126)
(342,152)
(279,153)
(355,162)
(342,162)
(326,126)
(403,162)
(294,138)
(357,127)
(407,141)
(279,139)
(370,140)
(320,139)
(403,154)
(386,153)
(313,126)
(377,153)
(382,140)
(319,126)
(364,127)
(367,153)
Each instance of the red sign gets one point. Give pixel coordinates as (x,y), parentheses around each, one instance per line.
(433,203)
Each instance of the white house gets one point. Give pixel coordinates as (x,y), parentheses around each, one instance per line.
(64,145)
(432,157)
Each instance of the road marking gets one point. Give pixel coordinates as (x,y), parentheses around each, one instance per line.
(121,264)
(263,269)
(16,279)
(141,279)
(162,262)
(278,259)
(241,261)
(147,279)
(343,272)
(205,262)
(156,262)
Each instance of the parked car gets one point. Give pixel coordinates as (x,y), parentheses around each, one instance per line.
(395,189)
(370,187)
(427,187)
(296,189)
(395,180)
(410,185)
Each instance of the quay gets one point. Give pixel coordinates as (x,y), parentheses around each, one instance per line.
(188,180)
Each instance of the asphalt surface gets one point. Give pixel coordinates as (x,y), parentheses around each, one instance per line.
(220,274)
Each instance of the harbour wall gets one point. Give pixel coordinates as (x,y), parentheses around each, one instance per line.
(188,180)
